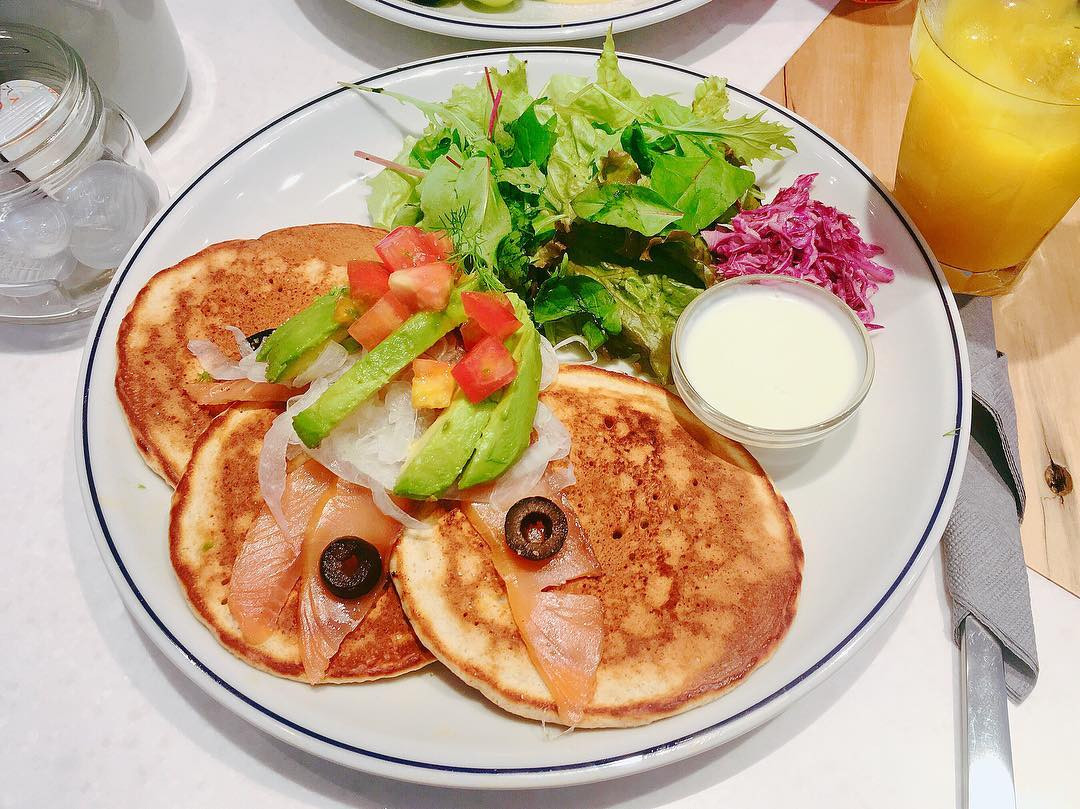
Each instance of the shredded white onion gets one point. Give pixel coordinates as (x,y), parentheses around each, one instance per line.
(376,436)
(220,367)
(273,457)
(369,448)
(447,350)
(330,359)
(242,344)
(273,463)
(350,361)
(401,417)
(214,362)
(347,471)
(549,363)
(561,477)
(577,338)
(552,443)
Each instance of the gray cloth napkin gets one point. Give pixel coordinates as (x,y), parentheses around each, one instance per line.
(985,574)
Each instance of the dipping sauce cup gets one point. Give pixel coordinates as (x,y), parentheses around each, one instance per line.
(771,361)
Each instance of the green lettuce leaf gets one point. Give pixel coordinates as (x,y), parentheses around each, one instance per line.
(701,183)
(611,100)
(643,147)
(667,111)
(528,179)
(636,207)
(533,140)
(748,138)
(572,167)
(438,114)
(618,166)
(513,259)
(711,99)
(681,256)
(436,142)
(474,103)
(751,138)
(576,301)
(648,305)
(465,202)
(394,199)
(582,325)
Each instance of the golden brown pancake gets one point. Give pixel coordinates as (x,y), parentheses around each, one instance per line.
(702,563)
(255,285)
(215,502)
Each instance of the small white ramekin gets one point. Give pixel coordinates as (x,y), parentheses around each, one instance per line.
(749,433)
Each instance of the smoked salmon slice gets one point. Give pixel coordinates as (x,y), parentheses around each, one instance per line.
(268,565)
(325,620)
(563,632)
(239,390)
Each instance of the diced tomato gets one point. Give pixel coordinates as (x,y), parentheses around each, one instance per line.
(432,384)
(239,390)
(471,333)
(368,281)
(492,311)
(442,247)
(425,288)
(407,247)
(485,369)
(372,327)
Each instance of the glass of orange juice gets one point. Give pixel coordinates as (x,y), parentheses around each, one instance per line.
(990,157)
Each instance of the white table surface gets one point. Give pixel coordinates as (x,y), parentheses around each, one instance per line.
(91,715)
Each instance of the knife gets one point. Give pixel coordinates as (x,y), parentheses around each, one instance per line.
(988,770)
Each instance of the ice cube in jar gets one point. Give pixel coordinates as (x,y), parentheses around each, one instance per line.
(108,204)
(76,182)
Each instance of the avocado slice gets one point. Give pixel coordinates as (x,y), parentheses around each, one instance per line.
(300,335)
(376,368)
(508,430)
(436,459)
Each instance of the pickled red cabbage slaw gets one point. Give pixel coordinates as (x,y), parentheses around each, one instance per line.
(801,237)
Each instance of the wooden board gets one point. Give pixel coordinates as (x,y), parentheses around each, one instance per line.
(851,78)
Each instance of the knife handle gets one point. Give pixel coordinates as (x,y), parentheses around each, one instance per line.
(988,770)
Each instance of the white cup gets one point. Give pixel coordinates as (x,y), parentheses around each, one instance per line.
(130,47)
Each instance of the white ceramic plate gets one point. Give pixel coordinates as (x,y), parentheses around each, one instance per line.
(528,20)
(871,501)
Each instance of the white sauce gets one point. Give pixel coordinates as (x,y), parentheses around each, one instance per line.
(772,356)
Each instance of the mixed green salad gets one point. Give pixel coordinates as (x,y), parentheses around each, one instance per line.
(587,200)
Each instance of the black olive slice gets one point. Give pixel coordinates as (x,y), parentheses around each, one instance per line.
(256,340)
(536,528)
(350,567)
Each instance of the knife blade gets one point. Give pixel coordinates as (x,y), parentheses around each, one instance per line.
(988,770)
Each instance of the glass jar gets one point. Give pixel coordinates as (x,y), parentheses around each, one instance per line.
(77,185)
(989,161)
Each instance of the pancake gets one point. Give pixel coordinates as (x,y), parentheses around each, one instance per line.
(215,502)
(252,284)
(702,563)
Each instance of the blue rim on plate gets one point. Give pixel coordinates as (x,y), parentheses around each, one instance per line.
(950,475)
(469,23)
